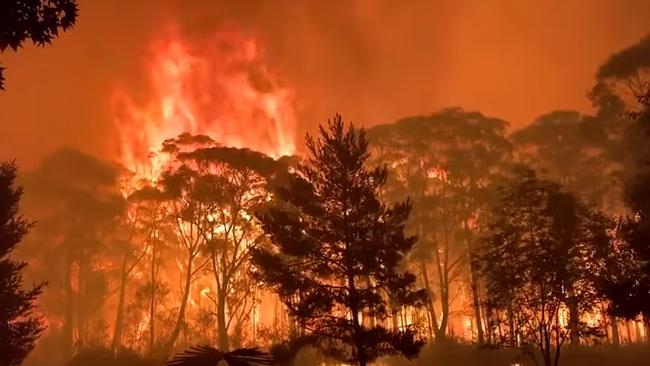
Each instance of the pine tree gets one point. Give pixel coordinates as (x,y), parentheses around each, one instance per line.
(19,326)
(337,250)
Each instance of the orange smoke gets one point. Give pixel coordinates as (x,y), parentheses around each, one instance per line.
(217,86)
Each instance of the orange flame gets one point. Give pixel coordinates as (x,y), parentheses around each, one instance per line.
(218,86)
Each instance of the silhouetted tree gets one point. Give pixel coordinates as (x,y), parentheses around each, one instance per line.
(76,200)
(37,20)
(19,326)
(622,101)
(630,295)
(542,250)
(337,250)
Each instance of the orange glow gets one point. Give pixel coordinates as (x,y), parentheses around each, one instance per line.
(217,86)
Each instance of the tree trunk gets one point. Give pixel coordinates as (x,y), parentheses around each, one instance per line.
(152,302)
(476,302)
(473,279)
(394,314)
(368,319)
(119,317)
(574,320)
(512,327)
(443,290)
(171,341)
(616,339)
(361,355)
(221,321)
(68,322)
(444,318)
(431,303)
(637,332)
(354,309)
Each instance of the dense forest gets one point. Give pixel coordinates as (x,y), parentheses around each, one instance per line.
(446,238)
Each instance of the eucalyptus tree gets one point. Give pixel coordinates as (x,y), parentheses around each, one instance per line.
(213,193)
(447,162)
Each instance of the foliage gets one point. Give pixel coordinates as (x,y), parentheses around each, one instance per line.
(336,250)
(19,326)
(38,20)
(630,293)
(209,356)
(541,256)
(574,150)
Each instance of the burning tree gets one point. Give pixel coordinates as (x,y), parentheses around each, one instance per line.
(540,259)
(19,326)
(141,226)
(337,250)
(448,163)
(210,193)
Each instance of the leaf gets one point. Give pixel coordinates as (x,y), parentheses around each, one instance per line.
(209,356)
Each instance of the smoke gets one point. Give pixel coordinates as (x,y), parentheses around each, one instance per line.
(374,61)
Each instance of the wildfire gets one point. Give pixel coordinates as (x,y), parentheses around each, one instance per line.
(217,86)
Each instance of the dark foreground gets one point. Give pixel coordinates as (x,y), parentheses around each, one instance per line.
(453,354)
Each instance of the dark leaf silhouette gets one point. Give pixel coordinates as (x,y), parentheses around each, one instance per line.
(36,20)
(209,356)
(19,327)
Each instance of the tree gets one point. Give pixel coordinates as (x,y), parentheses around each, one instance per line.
(212,193)
(233,184)
(19,326)
(540,257)
(447,163)
(37,20)
(574,150)
(336,250)
(76,200)
(140,235)
(622,96)
(630,294)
